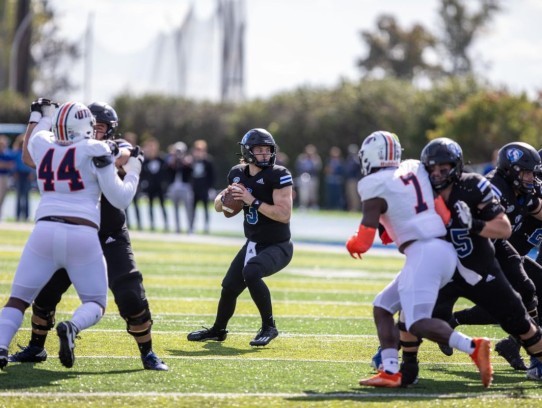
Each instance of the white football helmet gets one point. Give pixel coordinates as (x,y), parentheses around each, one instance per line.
(379,149)
(73,122)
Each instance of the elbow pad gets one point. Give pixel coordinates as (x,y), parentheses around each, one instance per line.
(102,161)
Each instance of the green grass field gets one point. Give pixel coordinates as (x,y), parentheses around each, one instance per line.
(322,304)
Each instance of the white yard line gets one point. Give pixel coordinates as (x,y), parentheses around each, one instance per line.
(350,395)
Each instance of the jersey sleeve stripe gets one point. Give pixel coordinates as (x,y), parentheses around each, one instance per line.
(286,179)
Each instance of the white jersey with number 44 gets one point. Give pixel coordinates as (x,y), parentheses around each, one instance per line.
(67,178)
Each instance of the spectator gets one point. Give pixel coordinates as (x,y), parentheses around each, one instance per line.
(7,163)
(308,166)
(352,176)
(23,177)
(180,191)
(203,180)
(154,179)
(131,138)
(334,178)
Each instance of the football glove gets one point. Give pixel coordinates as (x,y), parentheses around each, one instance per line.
(133,166)
(466,219)
(385,238)
(42,107)
(360,242)
(463,213)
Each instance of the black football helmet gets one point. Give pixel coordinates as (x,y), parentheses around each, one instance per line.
(440,151)
(104,113)
(258,137)
(516,157)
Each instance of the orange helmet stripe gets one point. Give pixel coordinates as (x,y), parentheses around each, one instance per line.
(62,119)
(389,144)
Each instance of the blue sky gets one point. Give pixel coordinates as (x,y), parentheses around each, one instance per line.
(289,42)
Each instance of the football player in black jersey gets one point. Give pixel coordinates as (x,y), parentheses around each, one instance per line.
(477,217)
(125,280)
(266,191)
(513,182)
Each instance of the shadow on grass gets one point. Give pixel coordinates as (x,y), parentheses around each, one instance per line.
(215,349)
(18,376)
(461,385)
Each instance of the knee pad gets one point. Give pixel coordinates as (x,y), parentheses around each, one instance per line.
(47,315)
(232,290)
(143,318)
(252,273)
(229,293)
(402,326)
(535,340)
(514,326)
(129,294)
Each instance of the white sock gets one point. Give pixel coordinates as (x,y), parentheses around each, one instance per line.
(10,321)
(86,315)
(390,360)
(461,342)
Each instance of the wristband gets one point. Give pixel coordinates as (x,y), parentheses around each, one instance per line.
(477,225)
(34,117)
(256,204)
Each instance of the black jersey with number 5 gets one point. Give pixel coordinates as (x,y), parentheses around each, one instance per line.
(474,251)
(258,227)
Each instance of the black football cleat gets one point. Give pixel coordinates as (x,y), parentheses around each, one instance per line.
(264,336)
(409,371)
(208,334)
(67,332)
(29,354)
(3,358)
(508,348)
(152,362)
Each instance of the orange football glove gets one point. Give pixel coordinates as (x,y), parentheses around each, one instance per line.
(360,242)
(385,238)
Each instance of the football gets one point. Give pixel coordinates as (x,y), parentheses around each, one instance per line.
(230,206)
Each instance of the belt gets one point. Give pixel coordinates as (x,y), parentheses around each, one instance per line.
(406,244)
(69,220)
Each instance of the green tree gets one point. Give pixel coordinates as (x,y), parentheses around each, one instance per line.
(462,22)
(397,52)
(488,120)
(53,55)
(43,56)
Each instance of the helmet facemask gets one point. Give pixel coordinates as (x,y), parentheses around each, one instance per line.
(514,159)
(258,137)
(443,151)
(105,114)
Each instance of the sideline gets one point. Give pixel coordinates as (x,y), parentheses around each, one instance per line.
(307,244)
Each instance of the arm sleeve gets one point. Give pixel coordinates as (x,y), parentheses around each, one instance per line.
(45,123)
(119,193)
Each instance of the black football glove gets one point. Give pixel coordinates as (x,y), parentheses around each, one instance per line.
(42,107)
(137,152)
(36,106)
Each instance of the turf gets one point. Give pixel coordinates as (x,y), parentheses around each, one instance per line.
(322,305)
